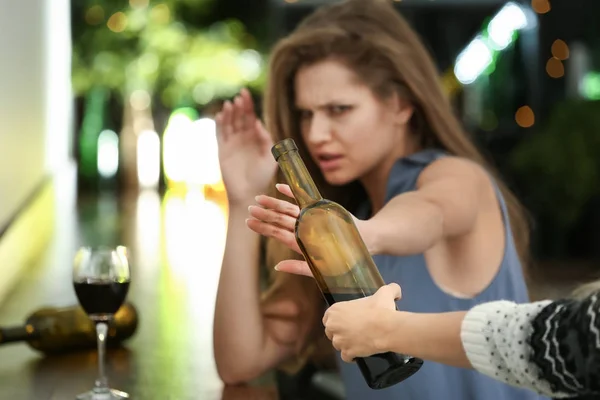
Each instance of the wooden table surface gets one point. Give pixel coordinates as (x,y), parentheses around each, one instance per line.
(176,244)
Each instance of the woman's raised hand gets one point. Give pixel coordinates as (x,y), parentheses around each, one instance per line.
(247,165)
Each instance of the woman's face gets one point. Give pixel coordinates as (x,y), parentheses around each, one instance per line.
(348,131)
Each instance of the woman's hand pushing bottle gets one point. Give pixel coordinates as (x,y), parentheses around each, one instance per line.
(276,218)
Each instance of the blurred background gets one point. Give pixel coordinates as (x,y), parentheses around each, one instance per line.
(107,133)
(147,78)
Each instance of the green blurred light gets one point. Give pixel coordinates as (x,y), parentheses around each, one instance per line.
(590,86)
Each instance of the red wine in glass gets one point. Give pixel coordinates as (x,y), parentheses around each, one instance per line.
(101,281)
(99,298)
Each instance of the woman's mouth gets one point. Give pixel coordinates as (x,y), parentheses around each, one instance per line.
(329,162)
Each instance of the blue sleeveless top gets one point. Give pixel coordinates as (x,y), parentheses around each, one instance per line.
(420,294)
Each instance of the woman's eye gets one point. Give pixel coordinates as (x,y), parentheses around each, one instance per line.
(305,114)
(339,110)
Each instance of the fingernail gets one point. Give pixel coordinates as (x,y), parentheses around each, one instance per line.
(276,268)
(250,208)
(256,198)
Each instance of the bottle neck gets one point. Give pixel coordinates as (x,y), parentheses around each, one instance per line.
(298,178)
(17,334)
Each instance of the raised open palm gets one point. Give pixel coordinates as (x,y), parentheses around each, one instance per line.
(245,156)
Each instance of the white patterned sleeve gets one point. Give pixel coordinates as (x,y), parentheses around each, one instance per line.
(495,338)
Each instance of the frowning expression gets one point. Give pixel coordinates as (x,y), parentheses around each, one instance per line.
(348,131)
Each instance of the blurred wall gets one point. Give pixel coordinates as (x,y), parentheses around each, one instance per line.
(35,97)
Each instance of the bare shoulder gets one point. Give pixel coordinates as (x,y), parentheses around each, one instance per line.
(456,169)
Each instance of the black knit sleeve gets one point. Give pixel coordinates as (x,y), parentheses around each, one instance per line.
(565,344)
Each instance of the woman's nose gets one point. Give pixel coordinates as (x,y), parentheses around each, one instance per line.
(319,130)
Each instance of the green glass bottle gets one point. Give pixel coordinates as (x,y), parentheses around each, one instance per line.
(53,330)
(338,258)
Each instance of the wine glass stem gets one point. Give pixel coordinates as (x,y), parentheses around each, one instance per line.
(101,332)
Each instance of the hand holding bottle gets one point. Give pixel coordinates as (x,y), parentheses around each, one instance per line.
(358,328)
(246,163)
(276,218)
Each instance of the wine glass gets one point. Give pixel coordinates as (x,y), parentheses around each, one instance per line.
(101,281)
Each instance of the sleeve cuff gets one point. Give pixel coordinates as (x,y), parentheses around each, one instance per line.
(477,336)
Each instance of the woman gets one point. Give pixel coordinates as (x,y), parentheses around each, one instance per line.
(551,347)
(357,91)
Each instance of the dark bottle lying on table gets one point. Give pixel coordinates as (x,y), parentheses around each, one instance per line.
(339,259)
(61,330)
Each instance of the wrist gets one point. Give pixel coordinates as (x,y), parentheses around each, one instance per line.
(238,213)
(240,204)
(392,335)
(404,334)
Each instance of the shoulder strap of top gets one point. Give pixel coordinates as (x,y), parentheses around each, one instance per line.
(503,207)
(425,157)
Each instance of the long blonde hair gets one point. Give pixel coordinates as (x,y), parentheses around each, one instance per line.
(373,40)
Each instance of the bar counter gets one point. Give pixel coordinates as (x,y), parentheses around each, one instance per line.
(176,242)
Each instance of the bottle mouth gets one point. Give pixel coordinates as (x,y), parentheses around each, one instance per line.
(283,147)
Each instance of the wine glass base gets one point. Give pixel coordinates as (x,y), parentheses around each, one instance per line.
(109,394)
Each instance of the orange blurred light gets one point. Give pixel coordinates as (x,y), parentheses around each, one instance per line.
(560,49)
(555,68)
(525,117)
(541,6)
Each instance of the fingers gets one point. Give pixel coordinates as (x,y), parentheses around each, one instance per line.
(336,340)
(219,123)
(248,103)
(295,267)
(282,206)
(285,190)
(223,121)
(238,117)
(329,333)
(245,108)
(250,120)
(263,135)
(273,231)
(273,217)
(325,318)
(390,291)
(347,357)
